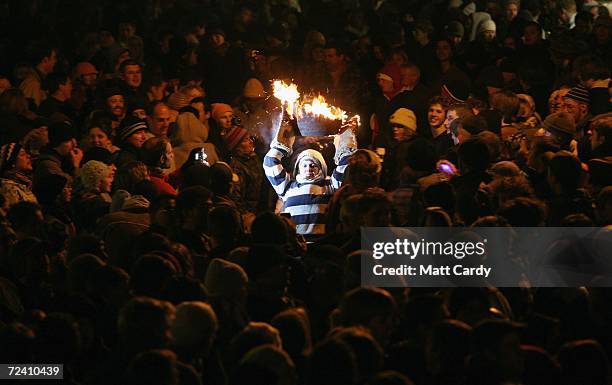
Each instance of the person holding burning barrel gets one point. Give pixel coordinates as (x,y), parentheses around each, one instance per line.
(306,193)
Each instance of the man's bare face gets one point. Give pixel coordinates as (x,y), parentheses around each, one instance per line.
(132,75)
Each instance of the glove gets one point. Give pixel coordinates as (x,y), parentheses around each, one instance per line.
(285,136)
(346,144)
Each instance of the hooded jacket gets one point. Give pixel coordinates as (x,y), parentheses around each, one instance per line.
(191,133)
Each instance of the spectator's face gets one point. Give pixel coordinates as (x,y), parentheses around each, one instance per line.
(126,31)
(161,121)
(23,162)
(385,85)
(132,75)
(140,113)
(168,157)
(436,115)
(246,147)
(89,79)
(65,147)
(332,59)
(66,89)
(419,35)
(106,183)
(443,51)
(225,120)
(450,116)
(489,36)
(531,36)
(98,138)
(158,92)
(309,169)
(246,16)
(401,133)
(137,139)
(49,62)
(410,77)
(116,105)
(318,55)
(511,11)
(577,110)
(217,40)
(556,104)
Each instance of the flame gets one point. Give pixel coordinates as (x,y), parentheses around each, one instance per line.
(287,93)
(320,108)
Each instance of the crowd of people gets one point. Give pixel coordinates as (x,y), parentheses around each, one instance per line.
(163,220)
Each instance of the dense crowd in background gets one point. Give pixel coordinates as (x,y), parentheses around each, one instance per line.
(162,222)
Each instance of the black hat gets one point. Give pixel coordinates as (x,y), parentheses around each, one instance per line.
(60,132)
(129,126)
(99,154)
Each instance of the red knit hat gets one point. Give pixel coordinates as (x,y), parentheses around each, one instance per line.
(219,109)
(234,136)
(391,71)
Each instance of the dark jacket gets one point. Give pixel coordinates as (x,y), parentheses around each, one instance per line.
(252,182)
(127,154)
(51,162)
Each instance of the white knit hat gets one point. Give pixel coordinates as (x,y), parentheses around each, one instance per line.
(404,117)
(486,25)
(92,173)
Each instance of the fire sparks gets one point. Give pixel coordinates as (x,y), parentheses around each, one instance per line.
(288,95)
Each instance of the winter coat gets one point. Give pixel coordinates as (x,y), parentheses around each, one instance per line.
(251,184)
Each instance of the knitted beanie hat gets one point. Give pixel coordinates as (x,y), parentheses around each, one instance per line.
(8,156)
(579,93)
(218,109)
(234,136)
(391,72)
(404,117)
(487,25)
(92,173)
(129,126)
(253,89)
(224,278)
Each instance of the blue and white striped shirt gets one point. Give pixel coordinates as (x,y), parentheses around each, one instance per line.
(306,203)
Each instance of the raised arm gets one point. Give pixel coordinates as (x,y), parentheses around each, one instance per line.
(346,145)
(280,147)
